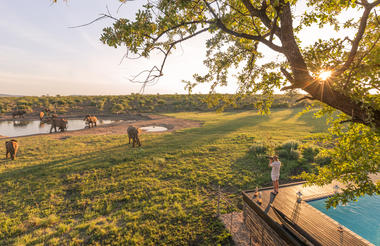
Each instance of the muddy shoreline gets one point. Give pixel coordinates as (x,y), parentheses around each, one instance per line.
(139,120)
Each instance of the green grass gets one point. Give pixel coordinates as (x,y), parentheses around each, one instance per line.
(98,190)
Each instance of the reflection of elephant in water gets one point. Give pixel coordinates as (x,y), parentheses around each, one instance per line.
(133,133)
(11,148)
(20,123)
(90,120)
(60,123)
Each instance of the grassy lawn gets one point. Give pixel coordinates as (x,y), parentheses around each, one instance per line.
(98,190)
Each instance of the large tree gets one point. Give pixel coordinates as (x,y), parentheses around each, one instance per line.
(237,29)
(238,26)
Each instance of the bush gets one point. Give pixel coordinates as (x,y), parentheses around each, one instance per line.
(61,102)
(117,108)
(322,158)
(309,153)
(290,145)
(288,150)
(288,154)
(258,149)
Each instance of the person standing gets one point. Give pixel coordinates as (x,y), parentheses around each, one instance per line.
(275,163)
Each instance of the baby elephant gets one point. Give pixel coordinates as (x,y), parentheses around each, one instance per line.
(11,148)
(90,120)
(133,133)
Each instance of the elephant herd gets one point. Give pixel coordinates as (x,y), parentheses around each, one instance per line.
(12,145)
(61,123)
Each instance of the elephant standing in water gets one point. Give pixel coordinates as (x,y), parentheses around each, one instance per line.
(90,120)
(60,123)
(133,133)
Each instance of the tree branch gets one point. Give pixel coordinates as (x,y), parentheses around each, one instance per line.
(261,14)
(360,60)
(102,16)
(190,36)
(220,24)
(287,75)
(152,78)
(359,35)
(306,97)
(250,37)
(180,25)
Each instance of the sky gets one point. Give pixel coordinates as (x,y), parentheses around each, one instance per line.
(41,55)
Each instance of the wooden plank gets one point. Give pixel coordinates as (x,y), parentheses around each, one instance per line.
(316,224)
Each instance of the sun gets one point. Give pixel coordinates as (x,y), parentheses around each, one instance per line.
(324,75)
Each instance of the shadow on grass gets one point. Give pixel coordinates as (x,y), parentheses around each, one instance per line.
(122,168)
(54,173)
(115,155)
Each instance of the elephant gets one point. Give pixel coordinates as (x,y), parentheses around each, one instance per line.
(11,148)
(19,113)
(90,120)
(133,133)
(60,123)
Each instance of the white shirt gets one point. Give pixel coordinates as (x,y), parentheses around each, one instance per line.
(275,168)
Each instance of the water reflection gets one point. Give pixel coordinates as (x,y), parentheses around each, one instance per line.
(21,123)
(154,128)
(15,128)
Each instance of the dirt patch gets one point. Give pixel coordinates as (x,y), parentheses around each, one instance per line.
(238,230)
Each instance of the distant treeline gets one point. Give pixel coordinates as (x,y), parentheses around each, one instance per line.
(144,103)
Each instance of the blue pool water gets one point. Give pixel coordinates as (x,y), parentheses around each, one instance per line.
(361,217)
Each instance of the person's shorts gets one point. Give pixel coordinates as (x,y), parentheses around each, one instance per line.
(275,177)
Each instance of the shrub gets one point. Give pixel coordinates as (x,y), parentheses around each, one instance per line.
(322,158)
(288,150)
(258,149)
(309,153)
(290,145)
(117,108)
(288,154)
(61,102)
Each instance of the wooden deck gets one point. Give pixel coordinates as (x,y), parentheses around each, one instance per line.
(310,221)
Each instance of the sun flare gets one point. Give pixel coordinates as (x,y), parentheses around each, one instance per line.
(325,75)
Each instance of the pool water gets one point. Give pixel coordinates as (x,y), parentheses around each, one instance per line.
(16,128)
(361,217)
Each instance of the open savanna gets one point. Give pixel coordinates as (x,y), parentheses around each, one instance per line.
(98,190)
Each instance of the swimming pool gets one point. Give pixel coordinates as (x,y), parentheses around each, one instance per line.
(361,217)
